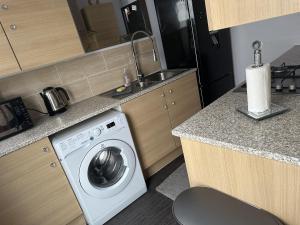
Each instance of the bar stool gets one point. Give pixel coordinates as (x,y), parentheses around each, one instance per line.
(206,206)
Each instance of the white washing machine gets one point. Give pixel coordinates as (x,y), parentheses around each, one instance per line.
(101,163)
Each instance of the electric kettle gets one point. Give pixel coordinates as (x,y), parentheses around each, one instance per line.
(56,100)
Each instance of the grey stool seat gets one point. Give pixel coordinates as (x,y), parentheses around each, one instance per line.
(206,206)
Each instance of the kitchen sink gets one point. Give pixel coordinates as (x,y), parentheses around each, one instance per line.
(134,88)
(164,75)
(150,80)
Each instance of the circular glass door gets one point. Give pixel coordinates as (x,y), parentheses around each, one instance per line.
(107,168)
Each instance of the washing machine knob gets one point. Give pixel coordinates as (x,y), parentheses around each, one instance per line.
(97,131)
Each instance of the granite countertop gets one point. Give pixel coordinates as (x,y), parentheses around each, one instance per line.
(220,124)
(75,114)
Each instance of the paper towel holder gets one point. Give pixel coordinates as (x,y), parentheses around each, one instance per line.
(257,46)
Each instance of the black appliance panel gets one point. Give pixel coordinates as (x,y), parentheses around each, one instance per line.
(210,52)
(176,33)
(14,118)
(214,48)
(135,16)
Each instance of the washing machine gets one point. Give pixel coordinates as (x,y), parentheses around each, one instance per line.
(101,163)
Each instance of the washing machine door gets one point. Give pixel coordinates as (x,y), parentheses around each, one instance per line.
(107,168)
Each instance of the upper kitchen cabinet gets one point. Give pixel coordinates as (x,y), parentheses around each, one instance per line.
(40,32)
(8,61)
(102,24)
(228,13)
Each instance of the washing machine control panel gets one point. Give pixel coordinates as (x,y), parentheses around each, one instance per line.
(86,137)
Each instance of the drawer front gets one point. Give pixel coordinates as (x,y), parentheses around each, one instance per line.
(182,97)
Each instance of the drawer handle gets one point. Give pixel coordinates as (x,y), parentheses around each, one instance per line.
(165,107)
(4,6)
(46,149)
(170,91)
(13,26)
(53,164)
(173,103)
(162,95)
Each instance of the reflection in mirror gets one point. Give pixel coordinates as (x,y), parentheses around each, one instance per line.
(104,23)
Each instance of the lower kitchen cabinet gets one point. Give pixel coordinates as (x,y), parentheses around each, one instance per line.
(34,189)
(153,115)
(150,126)
(183,101)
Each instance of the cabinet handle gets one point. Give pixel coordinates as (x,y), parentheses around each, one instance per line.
(162,95)
(170,91)
(173,103)
(4,6)
(165,107)
(46,149)
(53,164)
(13,26)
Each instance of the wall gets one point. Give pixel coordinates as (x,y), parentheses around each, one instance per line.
(278,35)
(83,77)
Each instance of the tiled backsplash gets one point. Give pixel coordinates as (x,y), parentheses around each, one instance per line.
(83,77)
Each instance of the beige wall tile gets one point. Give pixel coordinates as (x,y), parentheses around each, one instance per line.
(123,50)
(78,91)
(116,57)
(144,46)
(26,84)
(147,64)
(94,64)
(77,69)
(35,102)
(71,71)
(131,72)
(106,81)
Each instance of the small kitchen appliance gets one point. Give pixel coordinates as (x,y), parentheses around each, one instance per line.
(56,100)
(14,118)
(102,165)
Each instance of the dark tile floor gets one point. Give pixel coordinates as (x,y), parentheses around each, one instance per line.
(152,208)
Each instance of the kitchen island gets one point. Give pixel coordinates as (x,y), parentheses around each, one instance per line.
(255,161)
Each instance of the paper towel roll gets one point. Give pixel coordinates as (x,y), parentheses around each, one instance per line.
(258,88)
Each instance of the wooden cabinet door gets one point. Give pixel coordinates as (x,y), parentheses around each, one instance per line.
(34,189)
(182,97)
(8,61)
(40,32)
(150,126)
(227,13)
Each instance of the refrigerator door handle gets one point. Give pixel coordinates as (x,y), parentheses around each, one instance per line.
(214,36)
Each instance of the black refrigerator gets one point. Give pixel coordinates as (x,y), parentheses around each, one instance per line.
(188,43)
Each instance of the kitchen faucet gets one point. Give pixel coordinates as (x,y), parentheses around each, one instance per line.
(139,74)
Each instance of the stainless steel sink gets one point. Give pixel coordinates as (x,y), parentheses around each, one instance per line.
(164,75)
(134,88)
(150,80)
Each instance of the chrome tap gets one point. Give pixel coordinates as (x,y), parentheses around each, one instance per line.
(139,74)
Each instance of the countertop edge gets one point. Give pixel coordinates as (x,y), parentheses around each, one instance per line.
(239,148)
(47,134)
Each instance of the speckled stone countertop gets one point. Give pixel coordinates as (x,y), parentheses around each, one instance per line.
(220,124)
(76,113)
